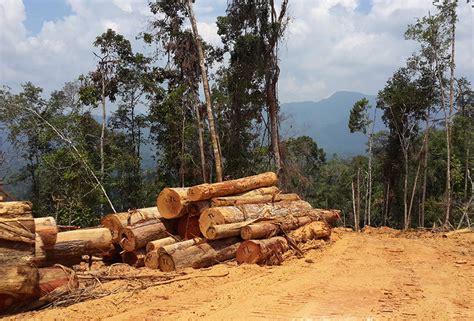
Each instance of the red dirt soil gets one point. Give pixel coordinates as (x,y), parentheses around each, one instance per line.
(377,274)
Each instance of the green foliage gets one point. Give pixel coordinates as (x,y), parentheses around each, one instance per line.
(359,117)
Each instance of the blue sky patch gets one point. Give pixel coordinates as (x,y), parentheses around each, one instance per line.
(39,11)
(365,6)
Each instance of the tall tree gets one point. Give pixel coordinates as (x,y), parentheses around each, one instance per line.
(359,121)
(207,93)
(404,103)
(102,83)
(251,31)
(437,35)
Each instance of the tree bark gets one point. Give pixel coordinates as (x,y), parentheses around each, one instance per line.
(20,283)
(72,245)
(312,231)
(47,229)
(207,94)
(156,244)
(138,236)
(264,230)
(262,252)
(117,221)
(236,186)
(225,230)
(188,227)
(201,138)
(200,256)
(15,209)
(239,200)
(236,214)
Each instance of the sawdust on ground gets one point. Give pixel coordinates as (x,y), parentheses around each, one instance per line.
(377,274)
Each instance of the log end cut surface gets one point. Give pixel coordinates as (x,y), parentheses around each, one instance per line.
(166,263)
(248,252)
(170,203)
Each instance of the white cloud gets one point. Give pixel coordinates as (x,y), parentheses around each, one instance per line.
(330,45)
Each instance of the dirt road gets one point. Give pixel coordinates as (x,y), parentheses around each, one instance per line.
(372,275)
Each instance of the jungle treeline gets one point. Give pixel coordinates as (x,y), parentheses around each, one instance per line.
(211,113)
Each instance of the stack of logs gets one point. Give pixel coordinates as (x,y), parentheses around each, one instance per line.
(248,219)
(27,246)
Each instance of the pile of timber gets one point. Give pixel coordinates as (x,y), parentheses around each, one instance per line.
(25,284)
(249,219)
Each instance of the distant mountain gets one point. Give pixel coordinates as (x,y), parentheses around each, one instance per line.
(326,122)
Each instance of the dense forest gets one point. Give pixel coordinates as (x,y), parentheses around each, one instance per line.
(212,113)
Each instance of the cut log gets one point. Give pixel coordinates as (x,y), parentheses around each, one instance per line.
(171,248)
(72,245)
(207,191)
(239,200)
(456,232)
(263,252)
(152,257)
(265,230)
(200,256)
(156,244)
(224,230)
(114,222)
(135,258)
(51,278)
(329,216)
(188,227)
(137,236)
(47,229)
(171,202)
(15,209)
(18,284)
(241,213)
(20,229)
(312,231)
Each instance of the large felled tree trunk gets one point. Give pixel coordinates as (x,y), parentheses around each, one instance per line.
(263,252)
(246,212)
(117,221)
(236,186)
(200,256)
(137,236)
(135,258)
(239,200)
(72,245)
(152,257)
(207,94)
(47,229)
(312,231)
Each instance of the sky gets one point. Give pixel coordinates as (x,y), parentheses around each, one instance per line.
(331,45)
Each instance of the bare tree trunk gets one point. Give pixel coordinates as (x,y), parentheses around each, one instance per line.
(271,82)
(358,195)
(102,138)
(356,224)
(201,138)
(387,198)
(449,125)
(181,161)
(406,223)
(425,175)
(207,94)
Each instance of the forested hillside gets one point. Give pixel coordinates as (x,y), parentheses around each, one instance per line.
(209,113)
